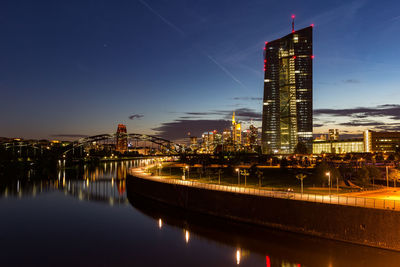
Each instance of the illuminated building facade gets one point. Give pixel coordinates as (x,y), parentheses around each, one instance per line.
(333,134)
(236,132)
(193,143)
(251,138)
(338,147)
(381,141)
(287,102)
(121,139)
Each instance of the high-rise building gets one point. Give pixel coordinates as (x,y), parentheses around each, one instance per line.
(333,134)
(236,133)
(121,139)
(287,103)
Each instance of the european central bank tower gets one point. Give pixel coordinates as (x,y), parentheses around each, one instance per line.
(287,103)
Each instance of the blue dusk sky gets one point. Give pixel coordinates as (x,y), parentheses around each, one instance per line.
(169,67)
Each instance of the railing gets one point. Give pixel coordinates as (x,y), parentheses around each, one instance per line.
(327,199)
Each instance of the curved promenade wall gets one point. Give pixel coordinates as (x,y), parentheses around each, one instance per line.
(366,226)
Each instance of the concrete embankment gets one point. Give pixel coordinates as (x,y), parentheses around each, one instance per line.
(366,226)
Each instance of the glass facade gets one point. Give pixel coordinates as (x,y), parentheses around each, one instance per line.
(338,147)
(287,102)
(381,141)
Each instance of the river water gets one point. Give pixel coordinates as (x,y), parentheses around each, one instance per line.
(88,219)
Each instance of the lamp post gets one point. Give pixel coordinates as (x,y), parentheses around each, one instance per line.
(238,172)
(159,169)
(329,181)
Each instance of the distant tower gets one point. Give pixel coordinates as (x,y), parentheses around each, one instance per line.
(287,103)
(121,139)
(333,134)
(236,132)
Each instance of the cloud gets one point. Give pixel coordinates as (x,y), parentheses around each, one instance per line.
(240,114)
(248,98)
(351,81)
(136,116)
(356,123)
(76,136)
(179,129)
(392,111)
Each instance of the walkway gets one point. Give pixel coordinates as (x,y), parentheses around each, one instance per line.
(364,202)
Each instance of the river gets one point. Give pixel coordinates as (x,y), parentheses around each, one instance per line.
(88,219)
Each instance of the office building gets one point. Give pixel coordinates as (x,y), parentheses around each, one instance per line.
(121,145)
(338,147)
(287,102)
(381,141)
(333,134)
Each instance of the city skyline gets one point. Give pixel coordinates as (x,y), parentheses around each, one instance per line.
(94,66)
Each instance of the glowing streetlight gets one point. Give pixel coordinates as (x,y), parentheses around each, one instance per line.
(188,170)
(238,172)
(329,181)
(187,236)
(238,256)
(159,223)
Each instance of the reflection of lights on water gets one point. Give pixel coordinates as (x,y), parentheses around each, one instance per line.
(238,256)
(112,182)
(34,191)
(87,182)
(187,236)
(18,186)
(111,201)
(159,223)
(268,261)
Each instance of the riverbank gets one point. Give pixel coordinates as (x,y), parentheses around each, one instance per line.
(338,221)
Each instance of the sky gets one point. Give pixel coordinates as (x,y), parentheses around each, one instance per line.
(169,67)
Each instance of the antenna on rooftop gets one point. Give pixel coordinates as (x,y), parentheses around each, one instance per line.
(293,16)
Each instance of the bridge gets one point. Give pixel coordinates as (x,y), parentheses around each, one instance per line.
(141,143)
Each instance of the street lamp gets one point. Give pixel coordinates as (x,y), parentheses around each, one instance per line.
(238,172)
(159,169)
(188,170)
(329,181)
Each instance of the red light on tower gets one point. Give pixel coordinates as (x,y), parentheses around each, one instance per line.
(293,16)
(266,42)
(312,57)
(294,57)
(312,25)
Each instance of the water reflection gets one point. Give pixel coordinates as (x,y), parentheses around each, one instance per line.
(252,245)
(233,243)
(104,182)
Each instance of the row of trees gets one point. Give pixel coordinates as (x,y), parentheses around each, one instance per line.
(363,176)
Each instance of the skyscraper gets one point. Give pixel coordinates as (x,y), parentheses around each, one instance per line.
(287,102)
(121,139)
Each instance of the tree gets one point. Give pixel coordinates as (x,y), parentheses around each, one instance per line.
(284,162)
(301,177)
(319,176)
(362,176)
(373,173)
(301,148)
(394,175)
